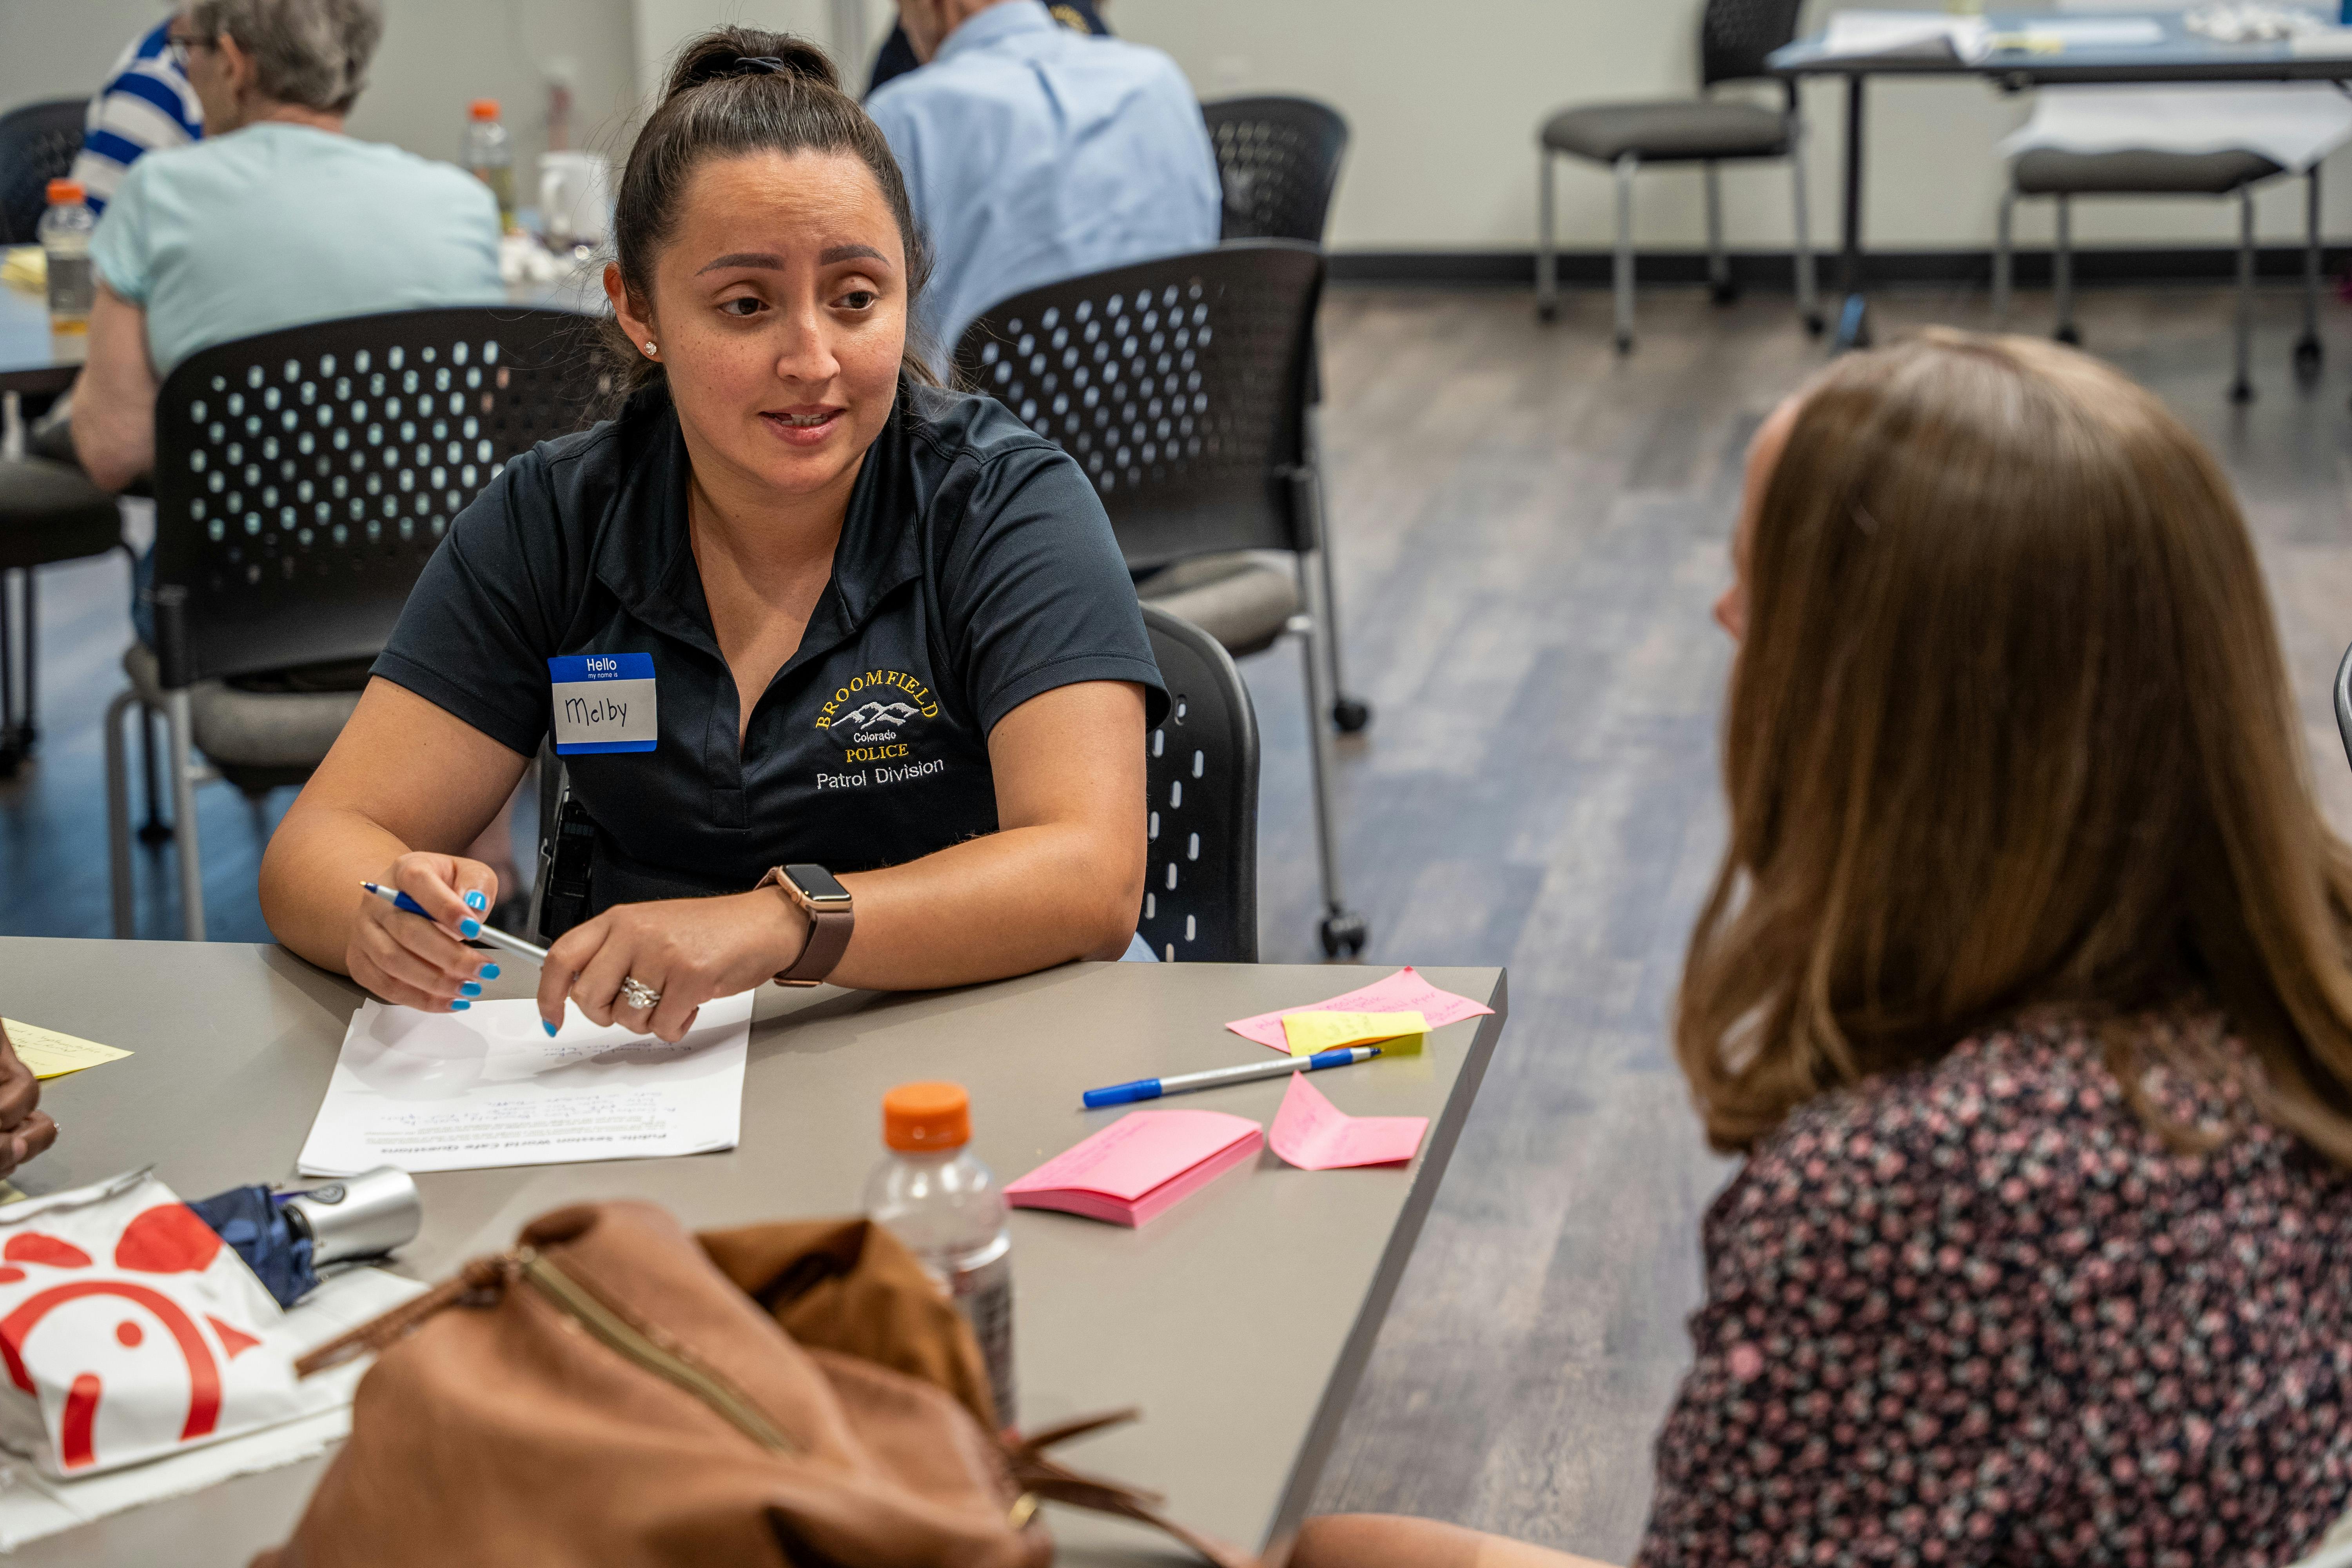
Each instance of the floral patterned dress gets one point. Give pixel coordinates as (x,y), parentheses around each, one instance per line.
(1980,1313)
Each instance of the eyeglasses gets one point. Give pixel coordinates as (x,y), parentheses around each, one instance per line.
(181,44)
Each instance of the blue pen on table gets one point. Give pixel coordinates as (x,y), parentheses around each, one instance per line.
(470,928)
(1185,1083)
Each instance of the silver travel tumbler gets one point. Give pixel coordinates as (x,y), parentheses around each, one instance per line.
(365,1215)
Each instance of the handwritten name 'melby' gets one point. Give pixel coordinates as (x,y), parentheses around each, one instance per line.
(593,710)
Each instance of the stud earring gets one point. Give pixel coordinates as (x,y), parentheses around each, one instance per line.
(649,347)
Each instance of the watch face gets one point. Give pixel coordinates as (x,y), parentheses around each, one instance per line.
(819,884)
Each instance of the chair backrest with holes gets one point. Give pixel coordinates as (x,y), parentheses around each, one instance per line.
(303,478)
(1278,159)
(1200,888)
(38,144)
(1735,36)
(1180,385)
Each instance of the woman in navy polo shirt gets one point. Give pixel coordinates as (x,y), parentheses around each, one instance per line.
(793,607)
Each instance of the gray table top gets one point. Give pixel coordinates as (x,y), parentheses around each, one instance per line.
(2182,56)
(1239,1320)
(30,359)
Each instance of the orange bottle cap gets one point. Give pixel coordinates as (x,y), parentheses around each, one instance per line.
(484,108)
(922,1117)
(64,191)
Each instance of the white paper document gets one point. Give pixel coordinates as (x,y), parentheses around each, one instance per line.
(1863,35)
(461,1091)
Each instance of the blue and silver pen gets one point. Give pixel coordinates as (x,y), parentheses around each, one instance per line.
(1184,1083)
(479,931)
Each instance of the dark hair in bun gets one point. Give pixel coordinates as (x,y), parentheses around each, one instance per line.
(735,91)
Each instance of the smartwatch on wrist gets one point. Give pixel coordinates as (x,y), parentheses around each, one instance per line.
(826,901)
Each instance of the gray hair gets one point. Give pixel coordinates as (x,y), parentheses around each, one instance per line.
(311,52)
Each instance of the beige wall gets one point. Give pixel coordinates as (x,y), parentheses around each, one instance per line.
(437,56)
(1444,103)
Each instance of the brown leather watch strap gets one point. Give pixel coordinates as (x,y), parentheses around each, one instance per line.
(828,938)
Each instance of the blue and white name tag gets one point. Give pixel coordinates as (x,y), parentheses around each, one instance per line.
(604,702)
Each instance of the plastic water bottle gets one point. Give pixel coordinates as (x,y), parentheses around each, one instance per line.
(946,1206)
(64,234)
(489,155)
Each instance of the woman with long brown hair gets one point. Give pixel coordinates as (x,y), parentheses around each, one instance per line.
(2024,988)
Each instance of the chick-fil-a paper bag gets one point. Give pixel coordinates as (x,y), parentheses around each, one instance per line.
(128,1331)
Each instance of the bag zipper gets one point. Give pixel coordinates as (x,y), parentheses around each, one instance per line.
(623,1336)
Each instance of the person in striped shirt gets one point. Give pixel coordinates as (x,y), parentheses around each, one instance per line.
(145,105)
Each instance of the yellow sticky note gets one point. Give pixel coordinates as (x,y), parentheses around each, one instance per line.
(52,1054)
(1397,1033)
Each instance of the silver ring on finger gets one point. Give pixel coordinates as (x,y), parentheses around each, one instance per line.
(636,993)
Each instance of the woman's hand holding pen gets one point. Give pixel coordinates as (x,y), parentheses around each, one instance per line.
(686,950)
(419,962)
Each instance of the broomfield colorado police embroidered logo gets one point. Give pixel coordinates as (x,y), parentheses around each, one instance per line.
(870,717)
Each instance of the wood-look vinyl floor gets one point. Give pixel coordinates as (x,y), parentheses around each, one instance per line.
(1530,535)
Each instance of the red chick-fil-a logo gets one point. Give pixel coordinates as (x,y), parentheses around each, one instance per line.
(168,1238)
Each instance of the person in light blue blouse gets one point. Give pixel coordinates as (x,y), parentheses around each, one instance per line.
(1033,153)
(275,220)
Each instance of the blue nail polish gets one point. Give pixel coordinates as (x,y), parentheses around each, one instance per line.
(548,1027)
(489,972)
(460,1005)
(469,928)
(468,988)
(474,900)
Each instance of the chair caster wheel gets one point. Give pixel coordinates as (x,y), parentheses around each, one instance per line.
(1624,345)
(1351,714)
(2241,393)
(1546,313)
(1343,935)
(1722,294)
(2070,335)
(2309,358)
(1816,324)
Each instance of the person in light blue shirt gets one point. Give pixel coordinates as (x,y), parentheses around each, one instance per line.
(274,219)
(1033,153)
(145,106)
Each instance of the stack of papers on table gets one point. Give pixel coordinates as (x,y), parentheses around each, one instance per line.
(1863,35)
(461,1091)
(1139,1167)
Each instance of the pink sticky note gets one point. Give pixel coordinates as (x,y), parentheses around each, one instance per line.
(1316,1135)
(1403,991)
(1138,1165)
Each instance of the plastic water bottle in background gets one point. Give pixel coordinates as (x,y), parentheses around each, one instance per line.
(489,156)
(63,235)
(948,1209)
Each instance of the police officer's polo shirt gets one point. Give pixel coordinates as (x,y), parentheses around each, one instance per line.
(976,569)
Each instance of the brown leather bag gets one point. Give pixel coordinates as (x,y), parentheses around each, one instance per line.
(612,1394)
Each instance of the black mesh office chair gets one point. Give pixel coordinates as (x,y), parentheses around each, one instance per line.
(38,144)
(1279,161)
(1200,888)
(302,479)
(1181,386)
(1735,36)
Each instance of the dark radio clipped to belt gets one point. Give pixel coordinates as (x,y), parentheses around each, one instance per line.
(567,861)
